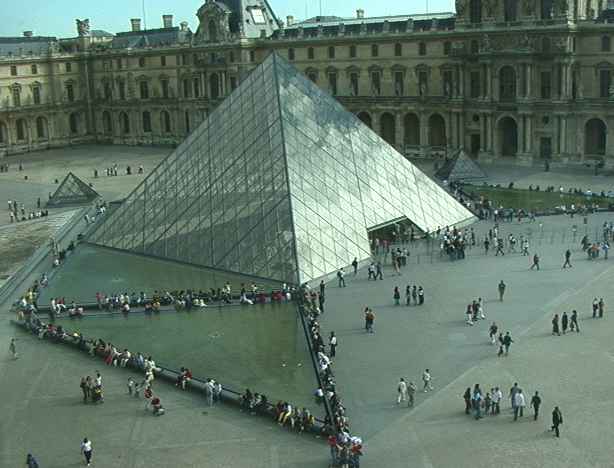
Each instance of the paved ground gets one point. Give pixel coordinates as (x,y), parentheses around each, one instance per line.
(42,412)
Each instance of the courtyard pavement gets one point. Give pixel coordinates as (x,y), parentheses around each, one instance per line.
(42,410)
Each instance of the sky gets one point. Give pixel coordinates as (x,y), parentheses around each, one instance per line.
(57,17)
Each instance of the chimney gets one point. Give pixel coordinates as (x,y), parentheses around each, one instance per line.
(136,24)
(289,20)
(360,13)
(167,21)
(27,34)
(184,26)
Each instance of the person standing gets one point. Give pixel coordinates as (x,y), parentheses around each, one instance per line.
(332,342)
(467,398)
(396,295)
(411,392)
(31,461)
(515,388)
(378,271)
(535,262)
(420,295)
(414,294)
(555,325)
(519,404)
(355,265)
(486,246)
(497,396)
(13,348)
(408,295)
(371,272)
(492,333)
(369,320)
(557,420)
(499,247)
(564,322)
(595,307)
(536,401)
(86,449)
(502,287)
(402,391)
(574,321)
(426,378)
(601,307)
(322,288)
(85,388)
(341,278)
(476,401)
(567,259)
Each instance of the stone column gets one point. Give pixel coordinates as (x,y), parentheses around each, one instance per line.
(398,132)
(520,123)
(529,133)
(461,81)
(424,133)
(563,135)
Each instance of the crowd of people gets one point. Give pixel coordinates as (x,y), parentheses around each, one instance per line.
(113,171)
(345,448)
(18,213)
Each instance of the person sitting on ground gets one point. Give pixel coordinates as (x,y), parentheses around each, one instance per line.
(158,409)
(247,399)
(124,358)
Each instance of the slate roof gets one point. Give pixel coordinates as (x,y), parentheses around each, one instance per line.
(150,38)
(25,45)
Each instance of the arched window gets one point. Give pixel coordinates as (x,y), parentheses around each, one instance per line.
(73,123)
(388,128)
(411,130)
(107,125)
(595,137)
(41,128)
(475,11)
(437,131)
(212,31)
(22,130)
(510,10)
(165,120)
(398,49)
(366,119)
(146,122)
(124,122)
(507,84)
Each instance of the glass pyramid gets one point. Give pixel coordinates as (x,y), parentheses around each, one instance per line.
(72,191)
(280,182)
(461,167)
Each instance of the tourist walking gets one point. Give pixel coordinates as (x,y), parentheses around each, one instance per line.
(13,348)
(341,278)
(497,396)
(574,321)
(492,333)
(414,294)
(512,396)
(31,461)
(467,398)
(557,420)
(426,378)
(378,271)
(536,401)
(519,404)
(420,295)
(564,322)
(555,325)
(411,392)
(408,295)
(567,259)
(355,265)
(507,342)
(396,295)
(595,307)
(369,320)
(535,262)
(476,401)
(601,307)
(502,287)
(85,388)
(86,449)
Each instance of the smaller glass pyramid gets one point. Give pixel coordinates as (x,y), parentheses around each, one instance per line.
(72,191)
(460,167)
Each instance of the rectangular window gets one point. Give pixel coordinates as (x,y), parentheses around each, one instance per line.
(399,83)
(144,89)
(354,84)
(376,85)
(36,95)
(546,84)
(141,62)
(252,56)
(374,50)
(310,53)
(16,97)
(332,83)
(352,51)
(164,85)
(474,83)
(163,61)
(447,48)
(475,12)
(68,67)
(258,16)
(184,59)
(606,44)
(34,69)
(331,52)
(422,48)
(13,70)
(233,82)
(122,90)
(196,84)
(398,50)
(70,93)
(290,54)
(605,80)
(108,94)
(186,89)
(118,63)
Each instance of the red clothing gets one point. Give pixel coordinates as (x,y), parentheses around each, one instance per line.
(332,441)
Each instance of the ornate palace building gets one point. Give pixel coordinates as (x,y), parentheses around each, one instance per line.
(523,80)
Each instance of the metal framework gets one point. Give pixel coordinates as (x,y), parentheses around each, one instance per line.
(279,182)
(72,191)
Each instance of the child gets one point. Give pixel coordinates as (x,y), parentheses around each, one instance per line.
(130,386)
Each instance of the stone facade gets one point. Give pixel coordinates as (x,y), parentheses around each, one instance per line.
(515,79)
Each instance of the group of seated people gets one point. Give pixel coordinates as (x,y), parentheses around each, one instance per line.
(184,378)
(15,217)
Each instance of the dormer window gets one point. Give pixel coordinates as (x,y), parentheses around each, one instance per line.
(257,16)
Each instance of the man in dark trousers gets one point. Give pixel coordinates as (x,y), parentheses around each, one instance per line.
(501,290)
(557,420)
(536,401)
(355,265)
(535,262)
(507,341)
(322,288)
(567,259)
(574,321)
(499,248)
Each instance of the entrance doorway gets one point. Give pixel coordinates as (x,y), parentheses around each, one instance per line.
(475,145)
(545,147)
(508,137)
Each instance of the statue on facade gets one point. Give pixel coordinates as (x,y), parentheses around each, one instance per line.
(529,7)
(489,7)
(485,45)
(83,27)
(460,7)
